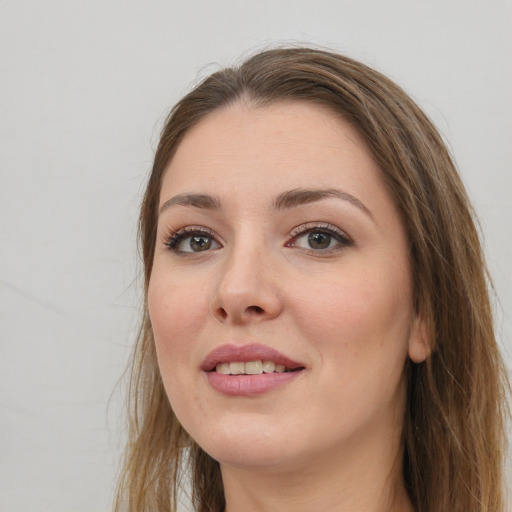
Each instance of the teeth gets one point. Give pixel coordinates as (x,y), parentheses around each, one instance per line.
(249,368)
(254,367)
(223,368)
(236,368)
(269,366)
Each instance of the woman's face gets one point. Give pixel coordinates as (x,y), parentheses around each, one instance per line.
(279,246)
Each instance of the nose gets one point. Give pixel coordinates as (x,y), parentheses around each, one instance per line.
(247,288)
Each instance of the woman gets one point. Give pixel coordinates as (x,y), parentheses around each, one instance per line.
(317,332)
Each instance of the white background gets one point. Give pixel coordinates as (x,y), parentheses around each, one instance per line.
(84,86)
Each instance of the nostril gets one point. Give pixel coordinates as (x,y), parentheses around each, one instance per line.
(255,309)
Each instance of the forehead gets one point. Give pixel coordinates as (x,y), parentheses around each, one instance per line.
(282,143)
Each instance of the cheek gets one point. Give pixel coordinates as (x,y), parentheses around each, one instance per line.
(174,309)
(361,329)
(360,320)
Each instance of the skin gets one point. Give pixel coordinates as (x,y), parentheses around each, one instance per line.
(330,439)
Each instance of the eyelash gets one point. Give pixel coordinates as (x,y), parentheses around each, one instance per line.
(176,237)
(173,240)
(324,228)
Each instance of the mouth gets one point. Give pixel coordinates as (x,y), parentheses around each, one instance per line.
(249,359)
(257,367)
(249,370)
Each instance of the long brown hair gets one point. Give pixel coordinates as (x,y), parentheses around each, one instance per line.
(454,427)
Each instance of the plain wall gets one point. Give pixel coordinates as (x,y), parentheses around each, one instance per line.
(84,86)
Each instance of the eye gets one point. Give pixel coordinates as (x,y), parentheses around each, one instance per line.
(319,238)
(192,240)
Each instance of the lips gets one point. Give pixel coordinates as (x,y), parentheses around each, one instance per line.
(247,354)
(249,370)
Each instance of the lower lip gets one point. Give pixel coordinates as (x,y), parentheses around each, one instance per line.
(249,385)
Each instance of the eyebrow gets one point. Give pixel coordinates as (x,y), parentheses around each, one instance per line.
(288,199)
(203,201)
(299,196)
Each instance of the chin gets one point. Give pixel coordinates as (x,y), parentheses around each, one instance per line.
(248,459)
(247,447)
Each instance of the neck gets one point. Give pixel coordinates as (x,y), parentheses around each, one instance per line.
(363,477)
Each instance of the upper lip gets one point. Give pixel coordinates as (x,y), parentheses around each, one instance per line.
(243,353)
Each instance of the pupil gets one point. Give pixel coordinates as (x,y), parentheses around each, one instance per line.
(319,240)
(200,243)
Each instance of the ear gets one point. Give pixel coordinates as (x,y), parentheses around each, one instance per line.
(419,343)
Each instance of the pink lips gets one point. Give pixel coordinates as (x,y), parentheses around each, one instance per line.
(248,385)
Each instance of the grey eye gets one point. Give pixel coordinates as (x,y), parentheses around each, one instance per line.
(193,242)
(200,243)
(318,240)
(321,238)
